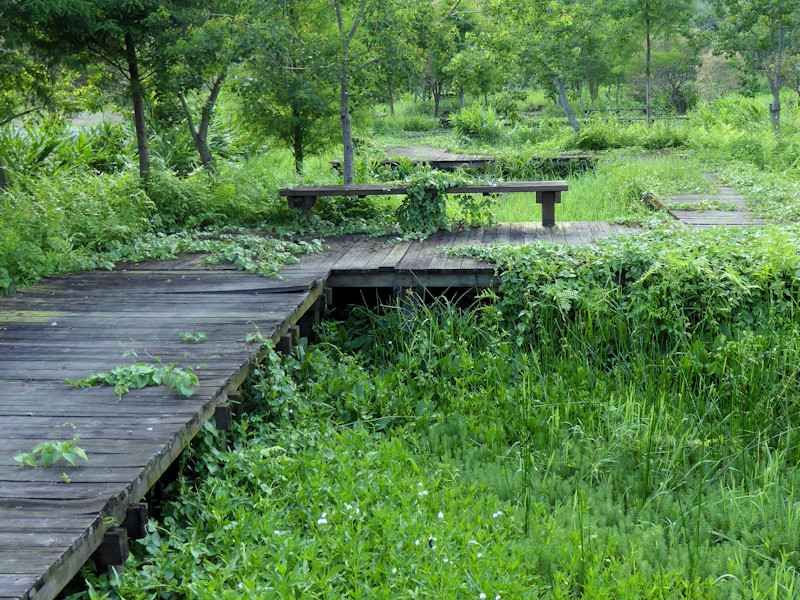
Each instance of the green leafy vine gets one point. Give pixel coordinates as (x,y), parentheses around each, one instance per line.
(140,375)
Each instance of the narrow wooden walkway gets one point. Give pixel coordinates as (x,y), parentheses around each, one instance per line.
(71,326)
(725,208)
(443,160)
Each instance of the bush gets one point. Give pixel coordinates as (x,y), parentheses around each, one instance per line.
(477,123)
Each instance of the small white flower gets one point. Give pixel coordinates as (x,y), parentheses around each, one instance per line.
(499,513)
(440,515)
(348,506)
(497,597)
(480,554)
(358,511)
(416,542)
(444,560)
(419,484)
(322,521)
(390,342)
(324,515)
(422,493)
(482,596)
(240,586)
(394,571)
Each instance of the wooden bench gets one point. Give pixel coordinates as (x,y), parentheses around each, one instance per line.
(548,193)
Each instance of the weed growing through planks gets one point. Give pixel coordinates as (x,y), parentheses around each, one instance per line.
(140,375)
(194,336)
(50,452)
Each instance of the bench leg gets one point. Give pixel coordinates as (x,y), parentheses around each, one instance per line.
(304,203)
(548,200)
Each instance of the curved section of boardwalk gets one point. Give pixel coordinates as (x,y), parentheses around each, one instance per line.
(69,327)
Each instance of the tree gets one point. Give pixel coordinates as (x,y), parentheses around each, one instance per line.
(193,64)
(655,19)
(760,31)
(285,83)
(554,39)
(116,33)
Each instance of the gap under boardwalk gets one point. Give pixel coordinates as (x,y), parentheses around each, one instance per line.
(69,327)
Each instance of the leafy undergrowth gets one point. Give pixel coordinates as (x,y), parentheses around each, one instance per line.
(615,422)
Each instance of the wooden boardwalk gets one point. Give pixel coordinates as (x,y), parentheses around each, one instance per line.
(725,208)
(443,160)
(71,326)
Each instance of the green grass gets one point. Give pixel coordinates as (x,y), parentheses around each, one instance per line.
(615,189)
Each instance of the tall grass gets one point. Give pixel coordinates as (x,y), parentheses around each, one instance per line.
(616,188)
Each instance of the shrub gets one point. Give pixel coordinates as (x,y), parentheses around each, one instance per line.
(477,123)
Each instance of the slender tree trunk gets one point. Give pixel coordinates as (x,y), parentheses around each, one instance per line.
(437,95)
(344,93)
(647,82)
(776,83)
(297,146)
(138,107)
(580,98)
(389,97)
(461,95)
(3,176)
(200,135)
(347,131)
(562,98)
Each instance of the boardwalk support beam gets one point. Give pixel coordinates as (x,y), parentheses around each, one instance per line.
(223,416)
(113,550)
(135,522)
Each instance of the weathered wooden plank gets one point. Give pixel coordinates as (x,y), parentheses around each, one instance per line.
(391,260)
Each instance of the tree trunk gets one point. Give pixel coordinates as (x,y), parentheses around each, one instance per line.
(389,97)
(297,146)
(200,135)
(647,83)
(562,98)
(580,98)
(138,107)
(776,83)
(3,176)
(347,131)
(461,95)
(437,95)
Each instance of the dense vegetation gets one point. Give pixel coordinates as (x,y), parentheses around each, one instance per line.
(617,421)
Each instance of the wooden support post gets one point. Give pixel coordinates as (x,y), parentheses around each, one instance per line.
(548,200)
(327,294)
(309,321)
(113,550)
(135,522)
(223,416)
(288,340)
(285,344)
(304,203)
(236,405)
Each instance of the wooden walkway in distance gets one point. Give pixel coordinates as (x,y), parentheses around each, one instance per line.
(68,327)
(725,208)
(443,160)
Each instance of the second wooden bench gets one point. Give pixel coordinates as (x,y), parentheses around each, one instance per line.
(548,193)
